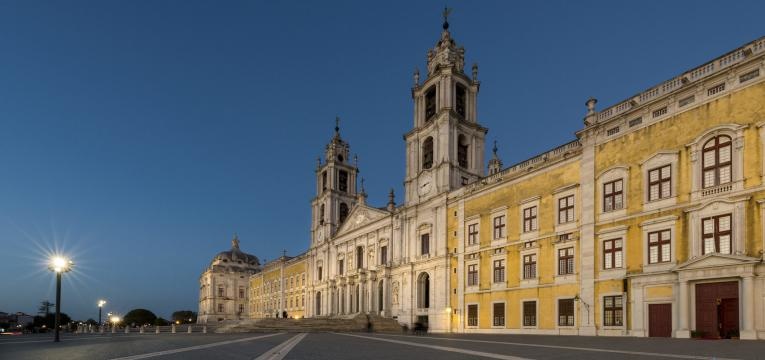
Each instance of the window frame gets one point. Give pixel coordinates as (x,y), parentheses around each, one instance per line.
(530,219)
(559,314)
(498,270)
(534,316)
(568,258)
(609,313)
(468,318)
(613,253)
(716,234)
(613,195)
(499,228)
(661,183)
(568,208)
(530,266)
(473,234)
(472,278)
(717,166)
(425,244)
(659,246)
(494,314)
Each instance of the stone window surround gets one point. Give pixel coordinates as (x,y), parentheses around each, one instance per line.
(497,256)
(613,233)
(477,263)
(736,133)
(601,304)
(536,314)
(568,278)
(556,319)
(736,207)
(658,224)
(523,205)
(657,160)
(534,251)
(425,228)
(494,214)
(492,314)
(474,220)
(477,313)
(612,173)
(561,193)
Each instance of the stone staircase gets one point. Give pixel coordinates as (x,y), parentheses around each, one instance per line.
(358,323)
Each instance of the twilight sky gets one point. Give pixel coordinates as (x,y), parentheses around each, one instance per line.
(138,136)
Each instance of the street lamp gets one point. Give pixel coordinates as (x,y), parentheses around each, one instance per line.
(101,304)
(59,265)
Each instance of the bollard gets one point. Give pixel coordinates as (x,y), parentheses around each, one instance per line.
(204,329)
(141,331)
(157,330)
(172,329)
(101,329)
(92,329)
(127,329)
(114,329)
(189,329)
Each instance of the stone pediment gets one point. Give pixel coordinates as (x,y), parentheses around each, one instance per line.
(715,260)
(360,216)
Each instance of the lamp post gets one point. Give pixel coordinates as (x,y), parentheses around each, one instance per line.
(59,265)
(101,304)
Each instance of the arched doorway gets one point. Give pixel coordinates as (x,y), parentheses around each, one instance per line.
(423,291)
(318,303)
(380,296)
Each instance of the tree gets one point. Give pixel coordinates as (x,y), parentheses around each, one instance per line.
(139,317)
(91,322)
(49,321)
(185,316)
(161,322)
(44,308)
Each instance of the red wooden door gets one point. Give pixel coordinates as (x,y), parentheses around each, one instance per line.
(717,308)
(660,320)
(728,317)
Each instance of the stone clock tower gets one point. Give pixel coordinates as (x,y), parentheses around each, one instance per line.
(445,149)
(335,189)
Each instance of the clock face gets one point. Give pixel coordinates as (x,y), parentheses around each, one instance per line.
(424,185)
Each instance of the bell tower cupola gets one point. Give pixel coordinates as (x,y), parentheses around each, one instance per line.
(335,188)
(445,148)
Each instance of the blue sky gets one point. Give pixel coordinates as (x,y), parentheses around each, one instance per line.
(139,136)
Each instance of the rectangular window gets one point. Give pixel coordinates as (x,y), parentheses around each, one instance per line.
(566,312)
(659,112)
(384,255)
(342,180)
(566,261)
(472,315)
(613,195)
(716,232)
(686,101)
(241,308)
(425,244)
(530,266)
(472,279)
(499,271)
(529,313)
(530,219)
(499,314)
(472,234)
(749,76)
(220,308)
(319,273)
(659,246)
(221,291)
(566,209)
(241,293)
(341,267)
(612,131)
(499,227)
(636,122)
(612,254)
(659,181)
(612,310)
(716,89)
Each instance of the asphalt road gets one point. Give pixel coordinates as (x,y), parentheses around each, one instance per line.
(276,346)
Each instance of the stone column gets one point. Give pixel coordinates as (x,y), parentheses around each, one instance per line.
(747,302)
(683,306)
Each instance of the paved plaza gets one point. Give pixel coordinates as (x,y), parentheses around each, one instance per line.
(274,346)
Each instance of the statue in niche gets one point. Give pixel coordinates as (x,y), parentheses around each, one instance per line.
(395,293)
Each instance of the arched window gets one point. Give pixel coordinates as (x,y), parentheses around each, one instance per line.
(462,151)
(321,214)
(423,291)
(427,153)
(359,257)
(343,212)
(716,162)
(460,99)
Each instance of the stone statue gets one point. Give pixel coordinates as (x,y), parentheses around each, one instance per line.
(395,293)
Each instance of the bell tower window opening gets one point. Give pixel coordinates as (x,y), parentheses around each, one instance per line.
(359,257)
(462,151)
(321,214)
(323,181)
(427,153)
(343,212)
(459,101)
(430,103)
(342,180)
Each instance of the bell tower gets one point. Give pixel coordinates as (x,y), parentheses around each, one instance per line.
(335,188)
(445,149)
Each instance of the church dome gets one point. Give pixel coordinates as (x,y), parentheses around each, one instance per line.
(236,257)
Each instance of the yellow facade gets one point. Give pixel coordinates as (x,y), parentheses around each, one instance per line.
(621,277)
(280,287)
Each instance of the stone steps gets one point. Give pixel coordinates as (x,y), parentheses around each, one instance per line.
(356,324)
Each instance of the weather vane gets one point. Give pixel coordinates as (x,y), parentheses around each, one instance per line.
(446,13)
